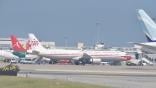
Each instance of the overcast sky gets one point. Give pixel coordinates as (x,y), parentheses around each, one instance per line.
(113,22)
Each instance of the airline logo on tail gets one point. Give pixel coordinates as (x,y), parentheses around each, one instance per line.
(34,43)
(149,26)
(31,43)
(16,45)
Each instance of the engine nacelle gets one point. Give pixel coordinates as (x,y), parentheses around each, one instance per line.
(95,60)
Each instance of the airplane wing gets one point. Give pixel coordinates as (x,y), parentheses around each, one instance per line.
(80,57)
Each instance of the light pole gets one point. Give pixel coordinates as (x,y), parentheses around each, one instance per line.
(98,32)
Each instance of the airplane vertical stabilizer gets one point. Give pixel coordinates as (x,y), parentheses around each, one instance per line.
(149,25)
(16,45)
(34,43)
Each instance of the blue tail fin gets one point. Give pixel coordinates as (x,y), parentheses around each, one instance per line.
(149,26)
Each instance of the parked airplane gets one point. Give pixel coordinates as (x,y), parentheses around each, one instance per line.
(149,28)
(78,55)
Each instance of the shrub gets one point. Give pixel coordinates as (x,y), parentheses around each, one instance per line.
(9,70)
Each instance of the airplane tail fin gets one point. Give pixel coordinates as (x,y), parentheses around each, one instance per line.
(33,42)
(149,27)
(16,45)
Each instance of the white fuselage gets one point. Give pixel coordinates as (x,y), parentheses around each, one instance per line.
(106,54)
(148,47)
(69,54)
(61,53)
(150,43)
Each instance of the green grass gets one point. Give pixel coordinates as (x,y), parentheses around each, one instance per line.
(19,82)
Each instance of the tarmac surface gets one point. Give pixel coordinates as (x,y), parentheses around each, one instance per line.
(114,76)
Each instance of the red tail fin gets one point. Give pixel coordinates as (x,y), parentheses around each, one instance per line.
(16,45)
